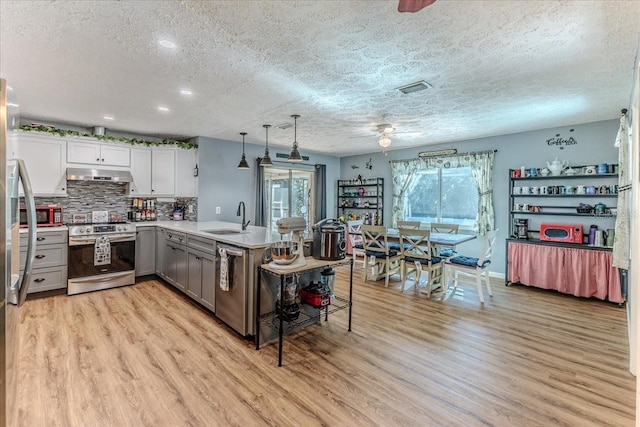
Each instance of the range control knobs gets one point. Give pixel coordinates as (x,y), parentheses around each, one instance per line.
(123,227)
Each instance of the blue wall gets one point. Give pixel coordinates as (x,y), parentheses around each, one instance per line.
(221,183)
(529,149)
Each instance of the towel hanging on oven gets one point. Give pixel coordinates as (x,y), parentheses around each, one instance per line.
(102,251)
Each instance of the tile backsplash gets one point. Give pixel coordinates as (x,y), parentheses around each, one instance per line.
(85,196)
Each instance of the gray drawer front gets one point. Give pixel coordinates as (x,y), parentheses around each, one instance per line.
(47,279)
(47,256)
(201,243)
(46,238)
(179,238)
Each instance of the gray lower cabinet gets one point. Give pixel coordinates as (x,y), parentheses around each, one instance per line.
(175,259)
(145,251)
(50,262)
(160,246)
(201,280)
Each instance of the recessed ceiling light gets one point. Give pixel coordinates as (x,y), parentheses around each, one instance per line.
(108,118)
(167,43)
(186,92)
(163,109)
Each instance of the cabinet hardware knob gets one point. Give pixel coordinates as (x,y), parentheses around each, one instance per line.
(98,159)
(40,256)
(39,279)
(40,239)
(103,160)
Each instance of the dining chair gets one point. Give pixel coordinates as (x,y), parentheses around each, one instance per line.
(357,242)
(417,256)
(383,260)
(409,224)
(447,229)
(471,267)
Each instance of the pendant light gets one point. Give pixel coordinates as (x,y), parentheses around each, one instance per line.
(295,154)
(266,160)
(243,161)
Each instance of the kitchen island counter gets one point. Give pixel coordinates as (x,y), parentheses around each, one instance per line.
(251,238)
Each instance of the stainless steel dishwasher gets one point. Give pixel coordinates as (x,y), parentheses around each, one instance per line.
(231,305)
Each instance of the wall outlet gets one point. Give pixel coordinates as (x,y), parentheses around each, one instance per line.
(190,208)
(218,209)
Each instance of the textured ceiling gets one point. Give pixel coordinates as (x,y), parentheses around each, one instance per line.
(496,67)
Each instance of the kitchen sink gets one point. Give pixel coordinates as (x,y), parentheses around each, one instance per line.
(222,231)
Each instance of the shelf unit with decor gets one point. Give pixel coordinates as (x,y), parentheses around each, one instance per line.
(361,198)
(569,267)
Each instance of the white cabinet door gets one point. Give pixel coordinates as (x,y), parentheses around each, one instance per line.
(185,165)
(114,155)
(83,152)
(97,153)
(141,172)
(163,172)
(44,158)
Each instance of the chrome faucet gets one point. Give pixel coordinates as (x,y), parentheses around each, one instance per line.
(244,224)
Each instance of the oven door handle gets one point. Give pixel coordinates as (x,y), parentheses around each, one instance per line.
(89,240)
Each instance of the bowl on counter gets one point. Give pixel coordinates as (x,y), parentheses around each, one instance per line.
(284,252)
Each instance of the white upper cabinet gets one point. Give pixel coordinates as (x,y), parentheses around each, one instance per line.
(163,172)
(44,158)
(185,179)
(141,172)
(98,153)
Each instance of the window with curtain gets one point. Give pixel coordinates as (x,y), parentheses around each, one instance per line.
(453,189)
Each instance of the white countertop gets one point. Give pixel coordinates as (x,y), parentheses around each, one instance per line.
(252,238)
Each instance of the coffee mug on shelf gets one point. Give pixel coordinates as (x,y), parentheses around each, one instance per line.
(534,190)
(525,207)
(515,173)
(517,207)
(544,190)
(590,189)
(603,168)
(589,170)
(580,189)
(517,190)
(532,172)
(525,190)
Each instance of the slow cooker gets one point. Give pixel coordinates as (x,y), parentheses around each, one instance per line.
(329,240)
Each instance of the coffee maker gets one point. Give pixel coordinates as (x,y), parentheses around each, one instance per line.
(521,228)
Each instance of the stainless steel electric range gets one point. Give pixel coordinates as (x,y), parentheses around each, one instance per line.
(101,256)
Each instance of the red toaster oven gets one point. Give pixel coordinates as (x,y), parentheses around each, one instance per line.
(565,233)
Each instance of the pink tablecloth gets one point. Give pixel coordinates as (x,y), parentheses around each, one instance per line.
(579,272)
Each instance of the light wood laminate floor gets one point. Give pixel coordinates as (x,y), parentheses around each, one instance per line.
(144,355)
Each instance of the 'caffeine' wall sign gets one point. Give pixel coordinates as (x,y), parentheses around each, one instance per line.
(561,142)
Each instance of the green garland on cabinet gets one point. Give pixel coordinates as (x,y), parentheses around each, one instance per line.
(131,141)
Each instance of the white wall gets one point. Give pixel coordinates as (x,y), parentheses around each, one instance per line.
(595,145)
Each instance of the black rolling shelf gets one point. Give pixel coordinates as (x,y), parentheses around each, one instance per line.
(308,314)
(349,200)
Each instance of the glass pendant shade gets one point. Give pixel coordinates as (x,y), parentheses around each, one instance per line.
(266,160)
(295,154)
(384,141)
(243,161)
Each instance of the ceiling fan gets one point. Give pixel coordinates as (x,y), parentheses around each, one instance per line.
(386,129)
(413,6)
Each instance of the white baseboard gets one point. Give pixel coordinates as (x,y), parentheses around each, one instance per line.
(496,275)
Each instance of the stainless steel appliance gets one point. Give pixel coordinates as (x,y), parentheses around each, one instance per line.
(46,216)
(231,298)
(101,256)
(12,171)
(328,240)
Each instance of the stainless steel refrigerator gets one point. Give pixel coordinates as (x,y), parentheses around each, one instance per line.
(13,173)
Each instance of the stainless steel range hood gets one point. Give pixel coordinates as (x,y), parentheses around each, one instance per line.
(98,175)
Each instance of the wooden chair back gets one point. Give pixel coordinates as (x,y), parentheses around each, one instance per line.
(354,232)
(415,243)
(444,228)
(409,224)
(375,238)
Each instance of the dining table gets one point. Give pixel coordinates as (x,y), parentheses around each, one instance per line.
(445,240)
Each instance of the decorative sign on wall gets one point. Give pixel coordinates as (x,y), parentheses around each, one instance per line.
(561,142)
(369,165)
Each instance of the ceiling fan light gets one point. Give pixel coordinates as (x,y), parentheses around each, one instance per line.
(384,141)
(243,161)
